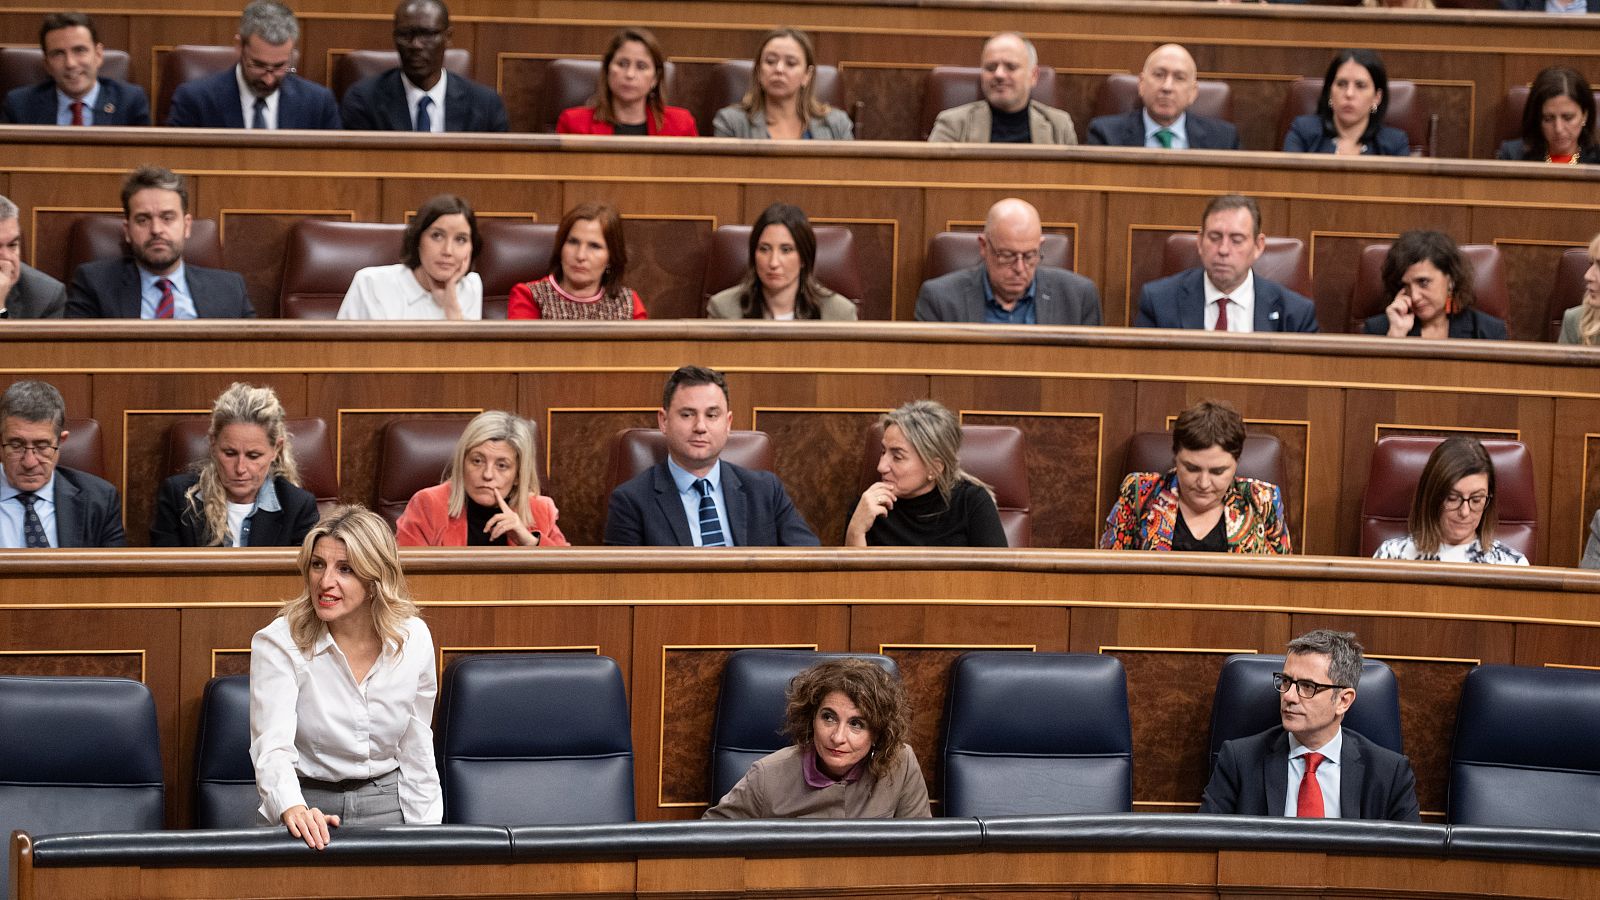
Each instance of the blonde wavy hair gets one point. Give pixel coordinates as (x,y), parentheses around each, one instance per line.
(240,404)
(1589,319)
(806,102)
(370,548)
(494,425)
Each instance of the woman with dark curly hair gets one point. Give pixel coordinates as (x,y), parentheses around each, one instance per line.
(849,720)
(1429,283)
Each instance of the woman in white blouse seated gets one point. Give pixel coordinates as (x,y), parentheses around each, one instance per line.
(1453,511)
(436,280)
(342,686)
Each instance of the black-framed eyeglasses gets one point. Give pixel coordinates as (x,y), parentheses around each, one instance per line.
(1474,502)
(1304,686)
(17,449)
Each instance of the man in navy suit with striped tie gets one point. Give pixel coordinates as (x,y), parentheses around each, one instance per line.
(693,498)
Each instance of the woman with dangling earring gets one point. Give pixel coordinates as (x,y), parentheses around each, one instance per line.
(586,266)
(1431,286)
(1350,112)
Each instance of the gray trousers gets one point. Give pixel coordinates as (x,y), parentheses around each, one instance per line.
(374,802)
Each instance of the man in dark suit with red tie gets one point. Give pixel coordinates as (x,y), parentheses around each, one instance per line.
(1311,766)
(74,94)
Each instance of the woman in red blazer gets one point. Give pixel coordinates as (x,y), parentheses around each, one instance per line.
(628,98)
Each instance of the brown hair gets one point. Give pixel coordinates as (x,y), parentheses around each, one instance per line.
(1225,202)
(655,104)
(752,297)
(431,212)
(59,20)
(1431,246)
(610,227)
(156,178)
(1454,459)
(806,102)
(1556,81)
(691,376)
(1207,424)
(879,695)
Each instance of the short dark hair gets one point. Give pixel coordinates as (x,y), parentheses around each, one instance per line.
(444,11)
(1341,648)
(1556,81)
(34,401)
(879,696)
(691,376)
(442,205)
(154,178)
(60,20)
(1454,459)
(1232,201)
(1438,248)
(1207,424)
(610,222)
(1380,81)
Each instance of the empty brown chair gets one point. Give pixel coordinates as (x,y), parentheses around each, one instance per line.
(731,79)
(1284,261)
(95,236)
(1397,464)
(1509,127)
(1567,291)
(1261,459)
(1368,297)
(635,450)
(572,82)
(1119,93)
(1406,112)
(22,66)
(84,448)
(947,87)
(994,454)
(837,267)
(358,64)
(514,251)
(188,445)
(952,251)
(185,63)
(322,258)
(414,455)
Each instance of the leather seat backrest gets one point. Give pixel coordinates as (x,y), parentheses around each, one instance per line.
(837,266)
(322,258)
(1407,110)
(573,82)
(1509,126)
(95,236)
(1284,260)
(1397,463)
(731,78)
(84,448)
(358,64)
(952,251)
(1567,290)
(185,63)
(947,87)
(1119,93)
(1246,702)
(225,779)
(22,66)
(187,445)
(514,251)
(994,454)
(634,450)
(1368,297)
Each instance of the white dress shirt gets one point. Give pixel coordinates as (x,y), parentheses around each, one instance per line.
(684,480)
(436,111)
(1327,775)
(247,101)
(309,717)
(392,292)
(1241,304)
(1179,130)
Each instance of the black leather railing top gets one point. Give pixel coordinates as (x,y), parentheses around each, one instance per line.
(467,844)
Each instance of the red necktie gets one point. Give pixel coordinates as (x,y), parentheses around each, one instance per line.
(77,112)
(1309,804)
(1222,315)
(164,306)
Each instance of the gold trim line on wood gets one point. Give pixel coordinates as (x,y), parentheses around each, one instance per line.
(550,423)
(883,648)
(143,662)
(218,651)
(1551,665)
(1437,659)
(1099,442)
(1105,649)
(1583,491)
(338,430)
(1377,429)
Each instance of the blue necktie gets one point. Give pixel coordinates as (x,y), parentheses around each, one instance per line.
(424,120)
(259,120)
(710,527)
(33,536)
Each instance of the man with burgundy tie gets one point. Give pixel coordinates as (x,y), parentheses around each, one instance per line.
(1311,766)
(693,498)
(155,283)
(419,95)
(74,94)
(44,505)
(1224,294)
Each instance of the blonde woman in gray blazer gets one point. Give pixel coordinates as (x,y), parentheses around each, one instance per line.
(780,102)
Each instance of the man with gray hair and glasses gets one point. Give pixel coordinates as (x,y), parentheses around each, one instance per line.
(262,90)
(43,504)
(25,292)
(1310,766)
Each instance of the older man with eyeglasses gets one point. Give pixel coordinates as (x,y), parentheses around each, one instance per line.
(262,91)
(1010,287)
(44,505)
(1311,766)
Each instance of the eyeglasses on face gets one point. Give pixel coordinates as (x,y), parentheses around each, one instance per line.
(1304,686)
(1012,257)
(1453,501)
(18,449)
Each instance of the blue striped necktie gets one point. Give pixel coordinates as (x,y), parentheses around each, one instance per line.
(710,527)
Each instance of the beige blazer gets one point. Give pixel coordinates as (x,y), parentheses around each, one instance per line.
(833,306)
(970,124)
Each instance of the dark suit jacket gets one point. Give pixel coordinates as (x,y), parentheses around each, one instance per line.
(119,103)
(213,102)
(179,522)
(1179,301)
(378,103)
(646,511)
(1469,323)
(1515,149)
(1307,135)
(88,511)
(109,289)
(35,296)
(1060,297)
(1127,130)
(1538,5)
(1251,778)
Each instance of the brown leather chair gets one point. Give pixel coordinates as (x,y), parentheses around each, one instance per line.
(186,63)
(1509,127)
(1567,291)
(634,450)
(415,454)
(571,82)
(950,86)
(514,251)
(22,66)
(1284,261)
(1261,459)
(358,64)
(1407,112)
(84,448)
(100,236)
(1397,463)
(1119,93)
(952,251)
(730,80)
(837,266)
(1368,298)
(188,445)
(321,259)
(994,454)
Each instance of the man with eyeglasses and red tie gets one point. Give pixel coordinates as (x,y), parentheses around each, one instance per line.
(1010,287)
(1311,766)
(419,95)
(262,90)
(44,505)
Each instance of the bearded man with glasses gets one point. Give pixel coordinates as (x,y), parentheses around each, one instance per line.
(42,504)
(262,91)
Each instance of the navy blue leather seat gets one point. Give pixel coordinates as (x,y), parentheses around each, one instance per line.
(534,739)
(77,754)
(1246,703)
(1037,734)
(750,705)
(224,779)
(1525,749)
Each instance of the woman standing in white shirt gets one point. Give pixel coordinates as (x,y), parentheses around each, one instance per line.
(435,280)
(342,686)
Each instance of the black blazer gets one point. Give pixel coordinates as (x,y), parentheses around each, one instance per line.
(646,511)
(1469,323)
(1179,301)
(1252,778)
(213,102)
(35,296)
(119,103)
(378,103)
(1307,135)
(179,522)
(1516,150)
(88,511)
(1127,130)
(109,289)
(1538,5)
